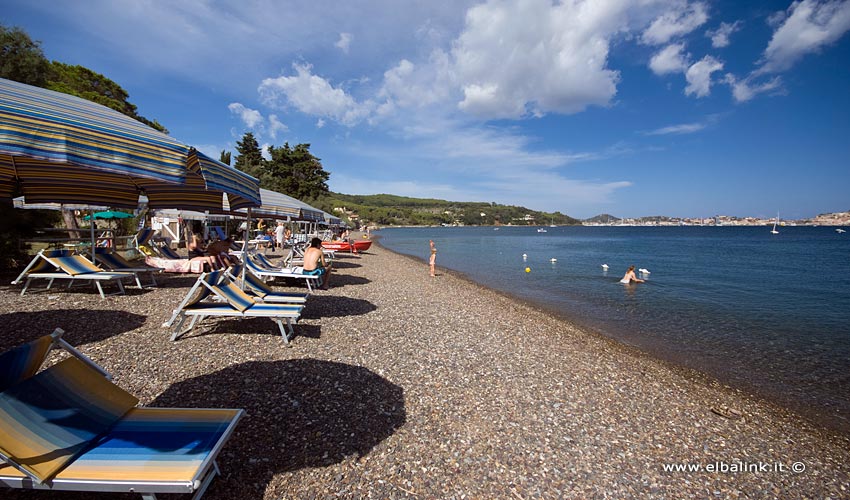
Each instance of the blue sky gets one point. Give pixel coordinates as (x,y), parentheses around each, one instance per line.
(634,108)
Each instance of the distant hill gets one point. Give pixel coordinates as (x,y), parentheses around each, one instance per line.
(602,219)
(388,210)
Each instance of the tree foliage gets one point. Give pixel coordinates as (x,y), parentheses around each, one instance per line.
(250,158)
(21,58)
(225,157)
(296,172)
(293,171)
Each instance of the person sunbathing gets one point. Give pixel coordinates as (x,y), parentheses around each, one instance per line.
(314,262)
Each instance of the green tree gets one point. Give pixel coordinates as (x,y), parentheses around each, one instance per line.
(85,83)
(250,158)
(21,58)
(225,157)
(296,172)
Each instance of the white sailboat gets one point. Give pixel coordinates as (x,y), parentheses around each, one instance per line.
(776,221)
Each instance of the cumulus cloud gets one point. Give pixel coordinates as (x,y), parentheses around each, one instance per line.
(806,27)
(681,19)
(684,128)
(746,89)
(275,126)
(720,36)
(250,117)
(533,57)
(670,59)
(699,76)
(312,94)
(344,42)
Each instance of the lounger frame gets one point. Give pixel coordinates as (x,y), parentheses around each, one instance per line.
(207,284)
(58,274)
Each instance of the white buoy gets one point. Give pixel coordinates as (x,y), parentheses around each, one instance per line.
(604,266)
(553,259)
(524,256)
(644,271)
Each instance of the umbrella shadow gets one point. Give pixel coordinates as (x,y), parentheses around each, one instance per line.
(299,413)
(340,280)
(82,326)
(326,306)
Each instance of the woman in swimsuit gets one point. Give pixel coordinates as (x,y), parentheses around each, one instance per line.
(630,277)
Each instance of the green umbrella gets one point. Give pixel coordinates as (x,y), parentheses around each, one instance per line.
(109,214)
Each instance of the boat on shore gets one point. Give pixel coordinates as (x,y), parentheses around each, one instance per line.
(345,246)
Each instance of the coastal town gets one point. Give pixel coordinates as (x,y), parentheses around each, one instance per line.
(828,219)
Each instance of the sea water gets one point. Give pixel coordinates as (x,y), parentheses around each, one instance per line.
(766,313)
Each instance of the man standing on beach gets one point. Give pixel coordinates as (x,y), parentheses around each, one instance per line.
(432,263)
(279,232)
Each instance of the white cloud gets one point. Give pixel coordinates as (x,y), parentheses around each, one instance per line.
(744,90)
(344,42)
(720,36)
(680,19)
(806,27)
(518,58)
(670,59)
(275,126)
(320,123)
(684,128)
(314,95)
(250,117)
(699,76)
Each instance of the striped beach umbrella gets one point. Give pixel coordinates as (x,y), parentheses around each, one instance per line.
(279,205)
(59,148)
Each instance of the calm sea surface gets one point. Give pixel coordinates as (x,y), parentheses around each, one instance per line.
(766,313)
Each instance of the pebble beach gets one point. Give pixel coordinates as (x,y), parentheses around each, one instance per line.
(400,385)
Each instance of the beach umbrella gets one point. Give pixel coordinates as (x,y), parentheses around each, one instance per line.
(108,215)
(59,148)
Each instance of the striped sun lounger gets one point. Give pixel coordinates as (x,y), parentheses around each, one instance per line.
(103,442)
(236,303)
(116,262)
(72,268)
(253,285)
(294,272)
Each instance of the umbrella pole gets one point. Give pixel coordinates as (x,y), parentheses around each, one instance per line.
(91,224)
(245,247)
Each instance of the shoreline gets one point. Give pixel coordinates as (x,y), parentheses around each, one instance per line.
(830,424)
(399,385)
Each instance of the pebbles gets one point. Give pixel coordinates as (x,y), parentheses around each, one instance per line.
(399,385)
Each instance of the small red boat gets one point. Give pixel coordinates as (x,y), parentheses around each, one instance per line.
(344,246)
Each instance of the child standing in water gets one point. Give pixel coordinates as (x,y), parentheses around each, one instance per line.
(433,261)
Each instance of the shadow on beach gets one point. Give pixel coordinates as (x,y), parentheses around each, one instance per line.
(340,280)
(82,326)
(326,306)
(299,413)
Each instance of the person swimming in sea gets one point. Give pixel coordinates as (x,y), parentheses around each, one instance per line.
(630,277)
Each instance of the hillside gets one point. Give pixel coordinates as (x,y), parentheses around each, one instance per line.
(388,210)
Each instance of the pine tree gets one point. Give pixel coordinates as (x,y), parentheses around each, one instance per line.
(250,158)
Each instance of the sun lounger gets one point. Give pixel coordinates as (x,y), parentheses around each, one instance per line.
(72,268)
(41,265)
(115,262)
(293,272)
(236,303)
(69,428)
(253,285)
(143,237)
